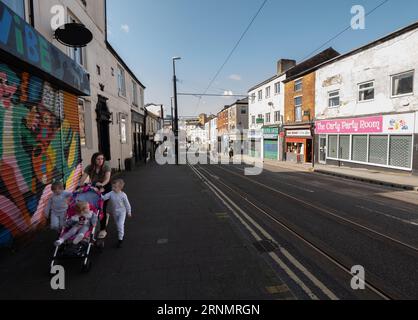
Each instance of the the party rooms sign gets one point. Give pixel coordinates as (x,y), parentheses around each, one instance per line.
(368,125)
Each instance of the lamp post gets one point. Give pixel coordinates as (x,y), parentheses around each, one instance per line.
(176,120)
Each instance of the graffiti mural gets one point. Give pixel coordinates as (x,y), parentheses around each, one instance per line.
(39,144)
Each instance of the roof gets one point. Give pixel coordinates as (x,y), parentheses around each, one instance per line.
(311,64)
(265,82)
(118,57)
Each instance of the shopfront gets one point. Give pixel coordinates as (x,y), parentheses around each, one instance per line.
(298,145)
(271,142)
(40,128)
(385,141)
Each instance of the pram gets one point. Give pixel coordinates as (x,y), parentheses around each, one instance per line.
(68,250)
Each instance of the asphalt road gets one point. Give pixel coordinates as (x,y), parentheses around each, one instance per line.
(328,225)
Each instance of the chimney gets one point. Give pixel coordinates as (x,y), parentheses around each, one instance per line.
(285,64)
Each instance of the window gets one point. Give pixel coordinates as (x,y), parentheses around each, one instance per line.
(134,94)
(366,91)
(268,92)
(243,111)
(260,95)
(332,146)
(398,157)
(403,84)
(77,54)
(82,122)
(18,7)
(267,117)
(298,109)
(121,82)
(334,99)
(123,128)
(112,71)
(277,88)
(252,97)
(253,119)
(98,70)
(359,148)
(378,149)
(298,85)
(276,116)
(344,147)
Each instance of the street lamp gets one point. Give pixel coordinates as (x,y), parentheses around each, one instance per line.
(176,124)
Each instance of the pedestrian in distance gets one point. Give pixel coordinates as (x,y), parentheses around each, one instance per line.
(120,207)
(57,206)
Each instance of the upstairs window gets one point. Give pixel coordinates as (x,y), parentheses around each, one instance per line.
(268,92)
(134,94)
(403,84)
(260,95)
(121,82)
(298,85)
(277,88)
(334,99)
(366,91)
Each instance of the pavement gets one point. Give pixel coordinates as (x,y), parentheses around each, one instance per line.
(392,179)
(181,243)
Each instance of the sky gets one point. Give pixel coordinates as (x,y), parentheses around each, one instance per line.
(149,33)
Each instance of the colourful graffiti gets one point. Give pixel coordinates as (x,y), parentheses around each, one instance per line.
(39,144)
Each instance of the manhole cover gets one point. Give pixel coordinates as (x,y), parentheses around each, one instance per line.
(265,246)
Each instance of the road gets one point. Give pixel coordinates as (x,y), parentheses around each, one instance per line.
(210,232)
(322,226)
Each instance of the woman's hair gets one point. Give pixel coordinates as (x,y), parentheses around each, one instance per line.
(93,160)
(81,206)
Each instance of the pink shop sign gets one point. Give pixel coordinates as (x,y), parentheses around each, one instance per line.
(353,126)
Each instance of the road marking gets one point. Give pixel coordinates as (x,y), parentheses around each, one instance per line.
(308,204)
(273,255)
(389,216)
(162,241)
(278,289)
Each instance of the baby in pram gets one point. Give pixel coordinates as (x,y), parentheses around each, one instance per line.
(79,224)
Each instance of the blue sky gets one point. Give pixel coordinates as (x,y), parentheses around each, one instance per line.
(148,33)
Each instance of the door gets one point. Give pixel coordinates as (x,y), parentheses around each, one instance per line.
(323,149)
(103,121)
(271,149)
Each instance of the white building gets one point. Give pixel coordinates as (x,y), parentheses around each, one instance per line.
(266,111)
(112,117)
(213,133)
(367,105)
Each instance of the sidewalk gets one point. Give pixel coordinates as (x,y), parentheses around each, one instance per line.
(391,179)
(181,243)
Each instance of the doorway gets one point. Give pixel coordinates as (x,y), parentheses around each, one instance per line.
(103,124)
(323,149)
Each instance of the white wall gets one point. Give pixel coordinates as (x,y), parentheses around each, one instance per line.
(262,107)
(95,54)
(377,63)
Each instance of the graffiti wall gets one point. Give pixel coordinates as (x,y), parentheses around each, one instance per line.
(39,144)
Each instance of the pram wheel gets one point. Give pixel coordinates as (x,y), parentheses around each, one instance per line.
(86,266)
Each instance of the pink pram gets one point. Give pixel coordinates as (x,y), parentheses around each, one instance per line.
(82,250)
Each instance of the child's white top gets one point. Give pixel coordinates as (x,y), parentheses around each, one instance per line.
(58,204)
(119,201)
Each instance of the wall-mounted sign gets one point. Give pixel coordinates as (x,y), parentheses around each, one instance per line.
(259,120)
(388,124)
(19,39)
(270,133)
(298,133)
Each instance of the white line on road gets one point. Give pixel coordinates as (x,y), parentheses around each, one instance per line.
(273,255)
(388,215)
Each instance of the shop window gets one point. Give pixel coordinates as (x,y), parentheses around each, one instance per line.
(344,148)
(18,7)
(403,84)
(359,148)
(378,150)
(400,151)
(333,146)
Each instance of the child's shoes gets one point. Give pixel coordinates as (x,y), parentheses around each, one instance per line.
(58,242)
(78,238)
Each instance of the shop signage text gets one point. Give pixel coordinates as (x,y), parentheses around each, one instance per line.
(401,123)
(298,133)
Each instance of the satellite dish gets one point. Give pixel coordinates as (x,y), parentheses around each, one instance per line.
(73,35)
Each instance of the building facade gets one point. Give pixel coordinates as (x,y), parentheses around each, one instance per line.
(367,105)
(300,107)
(39,117)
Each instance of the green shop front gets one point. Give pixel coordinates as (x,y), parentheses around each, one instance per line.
(271,142)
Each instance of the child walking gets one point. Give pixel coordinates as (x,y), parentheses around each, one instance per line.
(119,207)
(80,223)
(57,206)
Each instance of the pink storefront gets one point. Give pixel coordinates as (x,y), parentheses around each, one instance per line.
(385,141)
